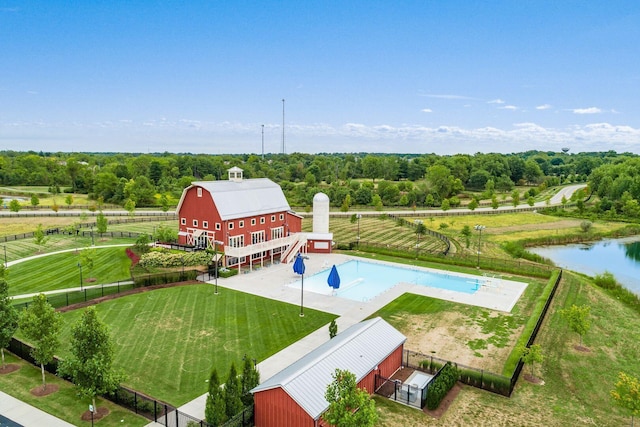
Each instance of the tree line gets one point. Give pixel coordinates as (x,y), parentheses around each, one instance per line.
(368,179)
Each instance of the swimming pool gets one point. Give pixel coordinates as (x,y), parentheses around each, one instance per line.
(362,281)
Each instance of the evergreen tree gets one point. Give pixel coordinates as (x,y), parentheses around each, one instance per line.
(215,409)
(250,379)
(232,393)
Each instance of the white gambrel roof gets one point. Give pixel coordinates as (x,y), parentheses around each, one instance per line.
(359,349)
(245,198)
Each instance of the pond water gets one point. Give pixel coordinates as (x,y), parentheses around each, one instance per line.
(620,257)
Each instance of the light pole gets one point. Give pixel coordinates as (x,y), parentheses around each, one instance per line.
(358,216)
(479,228)
(215,260)
(80,267)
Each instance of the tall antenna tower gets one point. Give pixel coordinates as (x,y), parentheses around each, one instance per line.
(283,146)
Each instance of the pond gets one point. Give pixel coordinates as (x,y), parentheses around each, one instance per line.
(620,257)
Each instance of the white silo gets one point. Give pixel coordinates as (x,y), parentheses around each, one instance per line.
(320,213)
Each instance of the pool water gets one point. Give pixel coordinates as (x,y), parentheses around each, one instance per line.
(362,281)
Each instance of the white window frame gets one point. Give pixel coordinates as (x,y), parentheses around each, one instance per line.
(218,226)
(277,233)
(281,217)
(205,224)
(199,191)
(195,222)
(273,218)
(241,224)
(234,261)
(236,241)
(253,221)
(230,226)
(183,221)
(262,220)
(257,237)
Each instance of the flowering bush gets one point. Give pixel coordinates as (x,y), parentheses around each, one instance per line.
(166,259)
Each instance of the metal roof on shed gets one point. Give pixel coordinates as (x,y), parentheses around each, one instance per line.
(241,199)
(358,349)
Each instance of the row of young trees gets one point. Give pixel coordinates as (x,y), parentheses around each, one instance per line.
(226,401)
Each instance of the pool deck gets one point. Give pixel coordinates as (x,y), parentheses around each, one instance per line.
(272,282)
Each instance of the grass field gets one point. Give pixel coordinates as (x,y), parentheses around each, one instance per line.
(60,271)
(377,230)
(65,403)
(168,340)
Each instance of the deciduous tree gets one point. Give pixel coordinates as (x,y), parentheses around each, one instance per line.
(627,394)
(41,324)
(531,355)
(349,406)
(8,315)
(578,319)
(92,352)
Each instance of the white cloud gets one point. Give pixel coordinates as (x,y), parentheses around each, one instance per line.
(590,110)
(192,135)
(446,96)
(496,101)
(543,107)
(427,110)
(509,107)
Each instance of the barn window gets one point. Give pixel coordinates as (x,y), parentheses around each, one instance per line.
(240,224)
(195,222)
(218,227)
(253,221)
(230,226)
(262,220)
(273,218)
(205,224)
(199,191)
(281,217)
(183,221)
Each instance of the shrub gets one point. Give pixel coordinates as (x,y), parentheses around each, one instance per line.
(585,226)
(441,384)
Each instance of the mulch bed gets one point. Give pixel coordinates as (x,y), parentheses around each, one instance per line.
(533,379)
(582,349)
(47,390)
(446,402)
(124,294)
(8,368)
(98,414)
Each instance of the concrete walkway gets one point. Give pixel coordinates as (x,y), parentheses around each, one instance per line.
(27,415)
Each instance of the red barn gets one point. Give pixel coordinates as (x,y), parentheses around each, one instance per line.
(295,395)
(247,219)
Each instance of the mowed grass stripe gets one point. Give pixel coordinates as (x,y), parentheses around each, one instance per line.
(169,339)
(60,271)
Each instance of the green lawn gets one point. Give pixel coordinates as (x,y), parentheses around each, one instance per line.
(169,339)
(65,403)
(60,271)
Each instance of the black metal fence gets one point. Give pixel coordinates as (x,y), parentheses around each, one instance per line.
(65,299)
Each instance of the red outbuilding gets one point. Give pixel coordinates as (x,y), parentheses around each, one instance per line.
(249,220)
(295,395)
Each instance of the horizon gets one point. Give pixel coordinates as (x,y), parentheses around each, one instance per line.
(415,77)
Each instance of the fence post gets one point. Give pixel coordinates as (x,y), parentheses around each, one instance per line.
(155,412)
(166,415)
(135,401)
(177,418)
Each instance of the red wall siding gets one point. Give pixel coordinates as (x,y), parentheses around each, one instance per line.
(200,208)
(391,363)
(275,408)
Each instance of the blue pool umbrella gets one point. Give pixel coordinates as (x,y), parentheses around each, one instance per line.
(334,278)
(298,265)
(298,268)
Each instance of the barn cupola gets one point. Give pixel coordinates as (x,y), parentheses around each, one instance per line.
(235,174)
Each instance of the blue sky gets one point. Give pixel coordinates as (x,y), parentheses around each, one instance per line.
(376,76)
